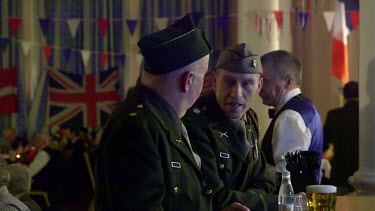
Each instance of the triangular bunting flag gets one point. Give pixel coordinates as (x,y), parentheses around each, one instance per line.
(120,60)
(161,23)
(66,54)
(103,26)
(73,25)
(354,17)
(279,18)
(85,57)
(25,47)
(223,21)
(103,58)
(303,17)
(4,42)
(44,23)
(132,24)
(328,17)
(47,51)
(14,24)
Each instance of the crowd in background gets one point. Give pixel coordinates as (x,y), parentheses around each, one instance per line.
(60,166)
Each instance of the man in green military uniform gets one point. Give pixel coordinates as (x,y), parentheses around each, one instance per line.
(145,160)
(233,131)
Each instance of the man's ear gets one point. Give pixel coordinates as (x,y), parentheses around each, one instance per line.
(289,82)
(186,80)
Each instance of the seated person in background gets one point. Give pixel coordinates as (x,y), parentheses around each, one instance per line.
(17,143)
(7,201)
(47,168)
(20,185)
(233,131)
(328,154)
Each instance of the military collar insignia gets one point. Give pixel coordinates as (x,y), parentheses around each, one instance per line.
(223,134)
(179,141)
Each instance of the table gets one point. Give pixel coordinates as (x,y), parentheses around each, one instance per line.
(355,203)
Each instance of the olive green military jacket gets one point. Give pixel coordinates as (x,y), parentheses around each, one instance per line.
(245,177)
(144,164)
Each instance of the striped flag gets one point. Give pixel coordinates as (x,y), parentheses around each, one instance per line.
(340,61)
(8,91)
(340,31)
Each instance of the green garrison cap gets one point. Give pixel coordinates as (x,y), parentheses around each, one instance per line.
(239,58)
(176,46)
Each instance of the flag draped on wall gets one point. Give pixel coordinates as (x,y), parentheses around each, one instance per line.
(8,91)
(342,24)
(82,100)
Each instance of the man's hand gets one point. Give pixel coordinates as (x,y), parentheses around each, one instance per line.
(235,206)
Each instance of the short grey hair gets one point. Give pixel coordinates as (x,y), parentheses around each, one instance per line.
(284,64)
(20,179)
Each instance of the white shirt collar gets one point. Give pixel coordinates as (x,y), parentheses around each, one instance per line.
(289,95)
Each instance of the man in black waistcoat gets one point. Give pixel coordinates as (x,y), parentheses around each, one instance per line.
(296,124)
(342,129)
(145,160)
(232,131)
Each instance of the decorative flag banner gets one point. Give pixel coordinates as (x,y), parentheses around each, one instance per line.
(25,47)
(103,26)
(85,57)
(328,17)
(103,58)
(161,23)
(73,26)
(340,61)
(66,55)
(14,24)
(303,17)
(120,60)
(4,42)
(8,91)
(82,100)
(279,18)
(132,24)
(47,51)
(44,23)
(223,21)
(351,6)
(354,17)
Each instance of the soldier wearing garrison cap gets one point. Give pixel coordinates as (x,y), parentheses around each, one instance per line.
(232,131)
(145,159)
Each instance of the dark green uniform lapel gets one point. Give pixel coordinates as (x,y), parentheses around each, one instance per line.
(228,137)
(175,137)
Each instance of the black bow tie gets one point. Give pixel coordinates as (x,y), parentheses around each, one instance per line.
(271,112)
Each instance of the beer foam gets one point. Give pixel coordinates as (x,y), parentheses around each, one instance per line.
(321,189)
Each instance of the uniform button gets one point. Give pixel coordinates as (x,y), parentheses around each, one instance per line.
(139,106)
(175,189)
(208,191)
(221,166)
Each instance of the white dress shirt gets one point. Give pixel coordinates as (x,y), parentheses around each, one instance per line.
(40,161)
(290,132)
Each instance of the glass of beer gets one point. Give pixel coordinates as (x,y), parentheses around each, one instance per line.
(321,197)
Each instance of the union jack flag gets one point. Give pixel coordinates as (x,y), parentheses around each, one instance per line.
(8,91)
(82,100)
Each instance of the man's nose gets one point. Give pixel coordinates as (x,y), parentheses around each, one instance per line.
(237,90)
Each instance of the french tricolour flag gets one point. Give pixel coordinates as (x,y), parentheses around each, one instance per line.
(340,31)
